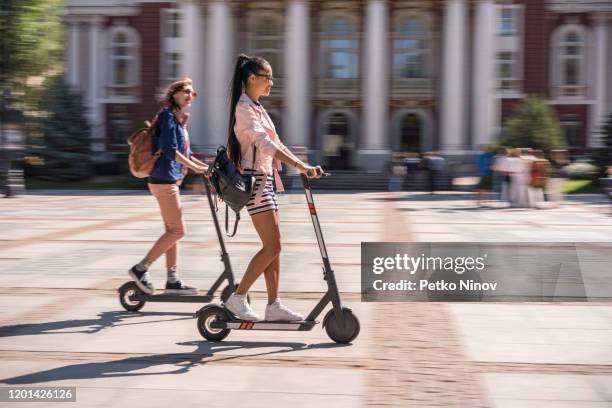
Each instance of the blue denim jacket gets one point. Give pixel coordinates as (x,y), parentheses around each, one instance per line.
(169,137)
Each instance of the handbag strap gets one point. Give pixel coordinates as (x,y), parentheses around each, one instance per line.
(227,222)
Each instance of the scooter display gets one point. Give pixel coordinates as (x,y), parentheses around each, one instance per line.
(216,322)
(133,299)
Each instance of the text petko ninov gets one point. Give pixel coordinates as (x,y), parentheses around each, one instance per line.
(430,273)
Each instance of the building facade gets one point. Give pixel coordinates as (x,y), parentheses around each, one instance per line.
(354,81)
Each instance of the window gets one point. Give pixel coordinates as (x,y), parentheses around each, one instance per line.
(123,60)
(507,21)
(507,70)
(411,49)
(267,42)
(120,130)
(340,49)
(173,22)
(174,62)
(572,127)
(171,44)
(509,47)
(569,62)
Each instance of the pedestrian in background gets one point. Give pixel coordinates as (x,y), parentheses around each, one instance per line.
(557,178)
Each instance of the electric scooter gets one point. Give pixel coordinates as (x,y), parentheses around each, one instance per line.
(216,322)
(133,299)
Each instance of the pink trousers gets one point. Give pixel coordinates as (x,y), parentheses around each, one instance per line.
(169,200)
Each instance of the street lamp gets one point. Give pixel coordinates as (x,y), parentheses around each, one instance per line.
(12,148)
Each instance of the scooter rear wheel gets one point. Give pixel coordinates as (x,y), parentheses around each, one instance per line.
(227,292)
(205,319)
(343,331)
(126,292)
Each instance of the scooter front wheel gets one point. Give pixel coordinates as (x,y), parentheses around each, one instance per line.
(205,320)
(343,330)
(126,293)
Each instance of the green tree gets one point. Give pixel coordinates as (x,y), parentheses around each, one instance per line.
(66,135)
(534,124)
(30,39)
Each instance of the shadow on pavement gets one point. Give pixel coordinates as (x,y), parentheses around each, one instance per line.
(89,326)
(183,362)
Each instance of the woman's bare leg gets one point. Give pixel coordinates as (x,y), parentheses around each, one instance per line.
(266,225)
(272,273)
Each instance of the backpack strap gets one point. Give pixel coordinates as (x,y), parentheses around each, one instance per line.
(227,222)
(152,125)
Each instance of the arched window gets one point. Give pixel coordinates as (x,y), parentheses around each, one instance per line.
(123,60)
(569,76)
(411,48)
(267,42)
(340,49)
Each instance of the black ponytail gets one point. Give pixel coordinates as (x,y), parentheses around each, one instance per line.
(245,66)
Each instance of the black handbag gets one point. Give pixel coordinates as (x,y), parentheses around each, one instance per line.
(233,187)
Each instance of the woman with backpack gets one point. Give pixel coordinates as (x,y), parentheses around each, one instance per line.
(172,141)
(254,146)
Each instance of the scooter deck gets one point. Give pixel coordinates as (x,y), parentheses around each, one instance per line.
(166,297)
(303,325)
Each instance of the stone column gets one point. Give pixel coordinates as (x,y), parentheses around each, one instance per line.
(72,59)
(453,73)
(484,98)
(219,70)
(374,148)
(297,63)
(601,76)
(194,67)
(95,108)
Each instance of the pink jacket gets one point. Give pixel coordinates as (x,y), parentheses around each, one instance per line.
(255,128)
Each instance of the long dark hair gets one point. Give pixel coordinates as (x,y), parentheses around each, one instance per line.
(245,66)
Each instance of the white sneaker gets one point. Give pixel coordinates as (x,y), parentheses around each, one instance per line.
(238,305)
(277,312)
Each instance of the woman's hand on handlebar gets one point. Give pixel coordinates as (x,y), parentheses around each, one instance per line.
(310,171)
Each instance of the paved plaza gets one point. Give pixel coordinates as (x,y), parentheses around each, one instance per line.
(64,254)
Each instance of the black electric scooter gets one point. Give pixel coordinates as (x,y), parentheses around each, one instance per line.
(342,326)
(133,299)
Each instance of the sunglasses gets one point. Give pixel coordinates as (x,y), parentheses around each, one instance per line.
(190,92)
(267,76)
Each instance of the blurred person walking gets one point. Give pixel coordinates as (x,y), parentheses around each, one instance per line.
(526,154)
(516,168)
(484,161)
(172,141)
(434,165)
(537,182)
(554,186)
(501,175)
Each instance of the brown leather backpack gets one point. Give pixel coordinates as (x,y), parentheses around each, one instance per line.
(142,159)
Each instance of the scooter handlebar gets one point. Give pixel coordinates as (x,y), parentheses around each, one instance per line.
(320,172)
